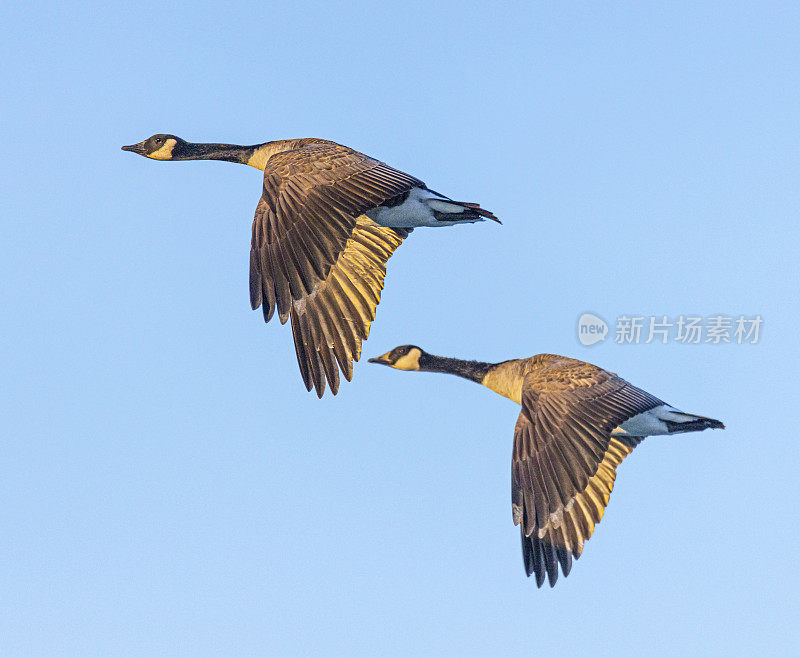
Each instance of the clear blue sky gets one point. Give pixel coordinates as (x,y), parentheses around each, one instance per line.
(168,487)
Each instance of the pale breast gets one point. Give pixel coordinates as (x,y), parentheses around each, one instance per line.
(506,379)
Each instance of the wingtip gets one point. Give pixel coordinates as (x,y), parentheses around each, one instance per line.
(538,576)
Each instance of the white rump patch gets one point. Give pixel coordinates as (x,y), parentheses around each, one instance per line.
(651,422)
(416,210)
(440,205)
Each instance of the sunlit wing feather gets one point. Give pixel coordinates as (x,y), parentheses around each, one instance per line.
(329,323)
(565,457)
(311,198)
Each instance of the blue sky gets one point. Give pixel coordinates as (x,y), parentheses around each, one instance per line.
(168,487)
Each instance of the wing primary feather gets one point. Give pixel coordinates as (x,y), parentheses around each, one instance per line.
(313,358)
(255,280)
(299,348)
(324,344)
(550,562)
(339,348)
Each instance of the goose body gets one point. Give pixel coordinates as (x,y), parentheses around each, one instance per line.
(577,423)
(328,220)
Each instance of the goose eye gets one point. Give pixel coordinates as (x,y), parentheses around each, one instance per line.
(159,140)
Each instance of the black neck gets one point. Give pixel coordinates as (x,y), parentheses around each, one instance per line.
(225,152)
(472,370)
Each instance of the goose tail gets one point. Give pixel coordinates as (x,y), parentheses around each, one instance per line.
(684,422)
(447,210)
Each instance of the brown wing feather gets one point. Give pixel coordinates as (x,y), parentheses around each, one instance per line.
(311,198)
(565,457)
(329,324)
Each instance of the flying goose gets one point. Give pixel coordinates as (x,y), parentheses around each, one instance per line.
(328,220)
(578,422)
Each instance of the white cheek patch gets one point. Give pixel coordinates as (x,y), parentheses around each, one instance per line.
(408,362)
(165,152)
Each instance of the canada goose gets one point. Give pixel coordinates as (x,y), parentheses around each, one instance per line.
(578,422)
(328,220)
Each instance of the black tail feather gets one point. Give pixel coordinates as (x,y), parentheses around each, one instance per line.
(472,212)
(698,425)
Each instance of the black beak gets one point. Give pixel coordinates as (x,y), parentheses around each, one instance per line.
(378,359)
(135,148)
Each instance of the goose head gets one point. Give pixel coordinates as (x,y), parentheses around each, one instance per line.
(161,147)
(405,357)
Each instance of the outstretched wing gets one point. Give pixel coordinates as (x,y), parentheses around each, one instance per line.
(565,457)
(306,215)
(329,324)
